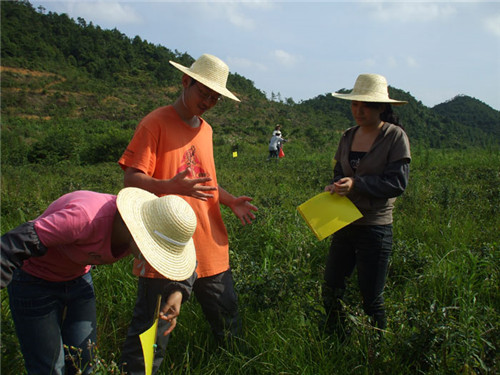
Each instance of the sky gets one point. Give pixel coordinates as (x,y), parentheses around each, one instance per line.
(302,49)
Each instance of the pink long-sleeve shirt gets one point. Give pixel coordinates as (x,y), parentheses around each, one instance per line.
(76,229)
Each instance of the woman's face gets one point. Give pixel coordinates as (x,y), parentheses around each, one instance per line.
(366,114)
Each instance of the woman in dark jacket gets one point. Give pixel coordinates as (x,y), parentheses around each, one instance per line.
(372,169)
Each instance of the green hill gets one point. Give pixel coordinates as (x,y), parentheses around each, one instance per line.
(472,113)
(57,69)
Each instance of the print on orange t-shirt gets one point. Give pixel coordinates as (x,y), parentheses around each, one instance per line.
(190,160)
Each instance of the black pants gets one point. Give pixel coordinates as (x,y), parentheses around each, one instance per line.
(367,248)
(273,154)
(219,303)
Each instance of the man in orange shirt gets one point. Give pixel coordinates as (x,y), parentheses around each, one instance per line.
(171,152)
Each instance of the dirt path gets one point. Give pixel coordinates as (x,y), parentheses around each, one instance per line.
(34,73)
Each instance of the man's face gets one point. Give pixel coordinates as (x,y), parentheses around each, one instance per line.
(199,98)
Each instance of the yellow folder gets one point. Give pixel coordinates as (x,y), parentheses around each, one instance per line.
(148,341)
(326,213)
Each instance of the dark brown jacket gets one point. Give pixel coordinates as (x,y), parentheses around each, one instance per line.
(381,176)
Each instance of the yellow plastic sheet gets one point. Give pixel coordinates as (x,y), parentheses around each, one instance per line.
(326,213)
(148,341)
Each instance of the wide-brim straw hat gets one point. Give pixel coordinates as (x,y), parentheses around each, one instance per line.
(370,88)
(162,228)
(210,71)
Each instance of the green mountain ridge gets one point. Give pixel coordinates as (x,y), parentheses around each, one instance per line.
(464,109)
(77,70)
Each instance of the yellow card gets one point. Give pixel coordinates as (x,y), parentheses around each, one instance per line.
(235,154)
(148,341)
(326,213)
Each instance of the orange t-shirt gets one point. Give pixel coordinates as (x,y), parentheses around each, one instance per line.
(163,146)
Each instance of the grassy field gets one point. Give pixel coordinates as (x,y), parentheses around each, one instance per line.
(442,293)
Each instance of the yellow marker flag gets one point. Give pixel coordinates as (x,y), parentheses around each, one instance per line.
(326,213)
(148,341)
(235,154)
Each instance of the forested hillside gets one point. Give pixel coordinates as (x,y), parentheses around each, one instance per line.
(472,113)
(55,68)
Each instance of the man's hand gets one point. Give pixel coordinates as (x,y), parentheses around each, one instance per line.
(243,209)
(180,184)
(170,311)
(193,187)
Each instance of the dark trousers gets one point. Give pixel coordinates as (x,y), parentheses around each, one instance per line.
(48,315)
(142,319)
(219,303)
(273,154)
(366,248)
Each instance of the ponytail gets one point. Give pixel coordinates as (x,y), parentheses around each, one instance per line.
(389,116)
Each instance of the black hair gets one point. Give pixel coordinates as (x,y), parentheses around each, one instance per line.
(388,114)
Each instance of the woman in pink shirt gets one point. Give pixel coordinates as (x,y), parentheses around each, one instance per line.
(46,262)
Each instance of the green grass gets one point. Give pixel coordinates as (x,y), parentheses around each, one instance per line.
(442,292)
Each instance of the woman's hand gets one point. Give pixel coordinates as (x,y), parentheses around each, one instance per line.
(343,186)
(330,188)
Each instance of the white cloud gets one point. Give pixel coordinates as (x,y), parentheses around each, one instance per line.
(104,13)
(492,24)
(255,4)
(412,62)
(238,11)
(237,18)
(242,63)
(285,58)
(370,62)
(411,11)
(392,62)
(235,12)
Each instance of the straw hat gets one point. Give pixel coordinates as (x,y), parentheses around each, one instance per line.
(162,229)
(370,88)
(210,71)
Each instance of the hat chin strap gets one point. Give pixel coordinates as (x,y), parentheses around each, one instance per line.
(171,240)
(182,97)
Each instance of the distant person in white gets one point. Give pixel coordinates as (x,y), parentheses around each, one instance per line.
(274,145)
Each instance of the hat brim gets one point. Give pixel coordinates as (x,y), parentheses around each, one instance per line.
(173,262)
(368,98)
(210,84)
